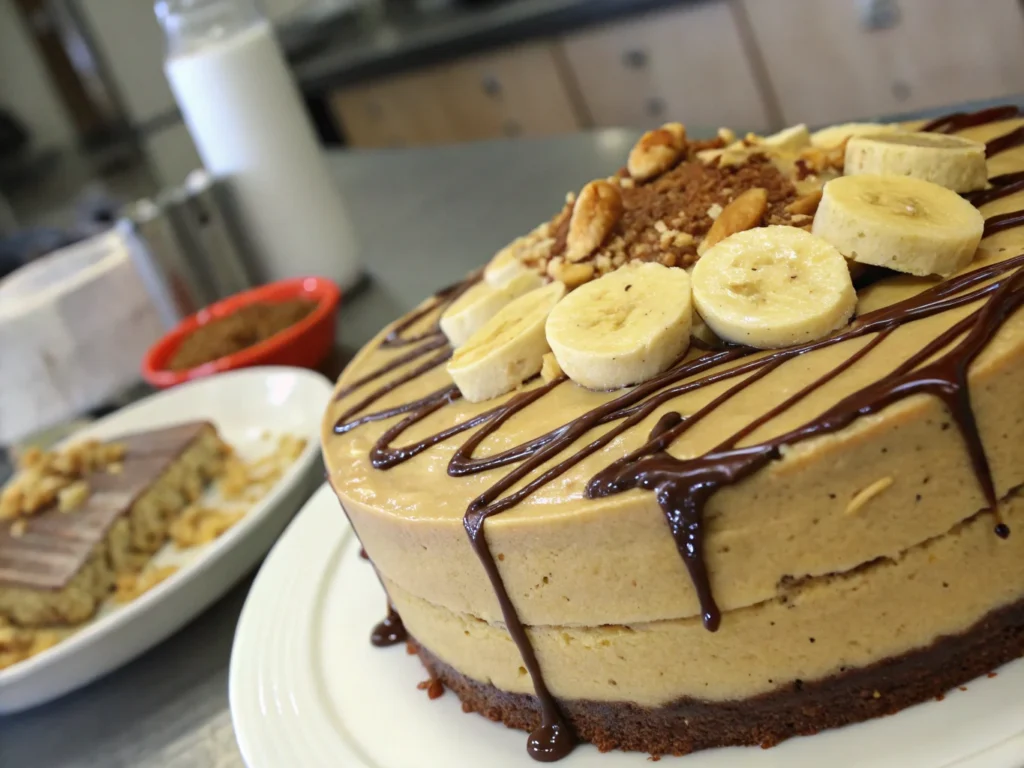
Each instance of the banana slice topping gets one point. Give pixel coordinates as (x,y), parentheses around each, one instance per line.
(902,223)
(482,302)
(835,135)
(624,327)
(949,161)
(773,287)
(508,349)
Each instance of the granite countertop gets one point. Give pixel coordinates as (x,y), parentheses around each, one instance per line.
(330,54)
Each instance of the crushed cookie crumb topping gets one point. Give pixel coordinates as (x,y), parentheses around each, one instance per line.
(663,218)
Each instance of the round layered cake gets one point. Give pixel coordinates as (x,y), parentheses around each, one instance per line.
(725,452)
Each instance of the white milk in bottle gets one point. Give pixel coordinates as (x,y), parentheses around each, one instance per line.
(251,128)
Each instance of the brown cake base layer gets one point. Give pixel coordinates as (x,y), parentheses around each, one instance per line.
(801,708)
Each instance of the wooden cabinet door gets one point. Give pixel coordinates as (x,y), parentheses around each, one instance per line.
(828,62)
(514,92)
(400,111)
(685,64)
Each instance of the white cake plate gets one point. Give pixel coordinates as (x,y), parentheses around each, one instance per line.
(307,688)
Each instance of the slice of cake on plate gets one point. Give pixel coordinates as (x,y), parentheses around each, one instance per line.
(76,519)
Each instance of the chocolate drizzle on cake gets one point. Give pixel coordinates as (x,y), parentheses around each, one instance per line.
(1002,222)
(682,487)
(1007,141)
(1000,186)
(958,121)
(444,297)
(554,739)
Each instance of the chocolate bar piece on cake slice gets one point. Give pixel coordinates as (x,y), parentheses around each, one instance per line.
(58,565)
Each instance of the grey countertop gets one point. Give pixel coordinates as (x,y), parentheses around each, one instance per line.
(423,219)
(342,52)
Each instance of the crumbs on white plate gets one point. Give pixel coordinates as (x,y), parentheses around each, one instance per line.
(200,525)
(250,480)
(132,585)
(18,643)
(241,482)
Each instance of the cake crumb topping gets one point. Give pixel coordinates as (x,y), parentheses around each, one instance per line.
(56,477)
(666,219)
(663,219)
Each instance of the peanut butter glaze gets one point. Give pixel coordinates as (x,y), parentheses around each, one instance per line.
(683,486)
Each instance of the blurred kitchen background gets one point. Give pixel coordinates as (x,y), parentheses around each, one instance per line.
(87,119)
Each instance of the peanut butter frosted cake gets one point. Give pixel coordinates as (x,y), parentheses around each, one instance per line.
(727,451)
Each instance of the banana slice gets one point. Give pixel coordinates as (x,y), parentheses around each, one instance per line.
(508,349)
(789,140)
(700,331)
(901,223)
(505,265)
(622,328)
(786,143)
(481,302)
(834,135)
(773,287)
(509,261)
(949,161)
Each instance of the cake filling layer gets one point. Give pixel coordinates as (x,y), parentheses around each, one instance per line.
(801,708)
(888,482)
(810,631)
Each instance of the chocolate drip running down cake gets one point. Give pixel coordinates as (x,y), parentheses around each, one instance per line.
(727,451)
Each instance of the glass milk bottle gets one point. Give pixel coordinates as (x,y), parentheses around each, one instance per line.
(248,122)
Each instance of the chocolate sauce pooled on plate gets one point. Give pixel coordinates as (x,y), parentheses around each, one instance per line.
(682,487)
(390,631)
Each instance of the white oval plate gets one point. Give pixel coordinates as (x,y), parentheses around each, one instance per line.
(307,688)
(244,405)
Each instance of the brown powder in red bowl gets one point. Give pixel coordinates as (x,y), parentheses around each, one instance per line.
(248,326)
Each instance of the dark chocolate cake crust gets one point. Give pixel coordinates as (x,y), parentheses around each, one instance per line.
(801,708)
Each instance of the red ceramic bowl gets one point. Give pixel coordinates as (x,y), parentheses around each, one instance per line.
(303,345)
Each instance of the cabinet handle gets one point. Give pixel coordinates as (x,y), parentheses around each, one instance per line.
(635,59)
(655,106)
(900,90)
(492,86)
(879,14)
